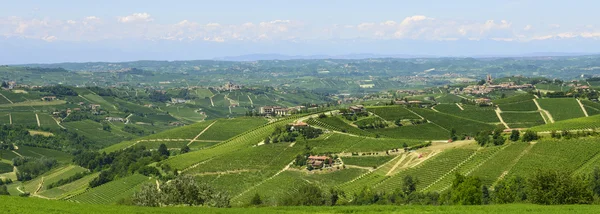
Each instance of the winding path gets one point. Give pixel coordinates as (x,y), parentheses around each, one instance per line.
(544,110)
(11,102)
(498,111)
(38,119)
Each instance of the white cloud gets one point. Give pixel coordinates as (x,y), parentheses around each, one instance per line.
(49,38)
(213,25)
(528,27)
(136,17)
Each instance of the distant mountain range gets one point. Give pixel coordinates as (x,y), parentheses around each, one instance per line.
(256,57)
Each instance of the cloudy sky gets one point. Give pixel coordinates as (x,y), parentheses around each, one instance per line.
(130,30)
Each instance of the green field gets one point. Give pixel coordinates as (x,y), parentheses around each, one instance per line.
(38,152)
(562,108)
(393,113)
(19,205)
(592,108)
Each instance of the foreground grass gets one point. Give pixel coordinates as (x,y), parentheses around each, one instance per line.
(35,205)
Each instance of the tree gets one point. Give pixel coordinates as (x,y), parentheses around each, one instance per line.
(162,150)
(185,149)
(409,184)
(510,190)
(334,196)
(482,138)
(256,200)
(557,187)
(530,136)
(148,196)
(4,84)
(594,181)
(453,135)
(466,190)
(515,135)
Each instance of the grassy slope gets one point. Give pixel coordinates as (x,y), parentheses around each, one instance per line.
(34,205)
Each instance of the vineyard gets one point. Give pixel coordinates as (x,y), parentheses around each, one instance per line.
(527,105)
(592,108)
(111,192)
(367,161)
(562,108)
(449,122)
(433,132)
(583,123)
(514,99)
(226,128)
(337,124)
(523,119)
(393,113)
(566,155)
(481,114)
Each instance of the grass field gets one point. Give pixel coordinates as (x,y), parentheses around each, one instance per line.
(562,108)
(19,205)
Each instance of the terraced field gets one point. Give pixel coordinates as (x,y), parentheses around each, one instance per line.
(562,108)
(391,113)
(111,192)
(70,189)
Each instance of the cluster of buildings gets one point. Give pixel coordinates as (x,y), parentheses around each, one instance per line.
(278,110)
(318,162)
(489,86)
(229,86)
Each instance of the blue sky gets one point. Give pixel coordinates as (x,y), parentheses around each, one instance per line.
(312,27)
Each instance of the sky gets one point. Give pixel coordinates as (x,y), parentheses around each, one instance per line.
(109,30)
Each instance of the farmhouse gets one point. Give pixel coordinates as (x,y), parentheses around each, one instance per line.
(94,106)
(49,98)
(483,101)
(298,124)
(178,100)
(356,108)
(12,85)
(114,119)
(275,110)
(319,161)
